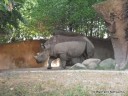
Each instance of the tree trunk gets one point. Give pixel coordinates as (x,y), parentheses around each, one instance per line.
(115,14)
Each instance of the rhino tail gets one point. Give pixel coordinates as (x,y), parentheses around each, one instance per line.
(89,49)
(85,54)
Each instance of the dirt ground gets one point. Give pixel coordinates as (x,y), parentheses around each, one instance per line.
(96,82)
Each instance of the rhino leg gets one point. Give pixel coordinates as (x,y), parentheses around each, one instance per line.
(49,63)
(63,64)
(63,59)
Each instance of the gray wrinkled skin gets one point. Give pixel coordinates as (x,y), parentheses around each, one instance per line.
(66,48)
(42,56)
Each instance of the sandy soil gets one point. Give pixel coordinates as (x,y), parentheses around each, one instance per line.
(110,83)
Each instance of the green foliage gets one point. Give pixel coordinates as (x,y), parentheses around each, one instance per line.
(9,15)
(27,30)
(42,17)
(77,15)
(19,90)
(38,90)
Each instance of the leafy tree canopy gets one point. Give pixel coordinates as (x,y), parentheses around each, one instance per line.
(9,14)
(45,16)
(73,15)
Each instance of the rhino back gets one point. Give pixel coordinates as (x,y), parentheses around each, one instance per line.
(72,48)
(60,38)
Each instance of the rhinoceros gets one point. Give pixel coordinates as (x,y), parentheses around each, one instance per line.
(66,48)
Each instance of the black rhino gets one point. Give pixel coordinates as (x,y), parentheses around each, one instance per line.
(66,48)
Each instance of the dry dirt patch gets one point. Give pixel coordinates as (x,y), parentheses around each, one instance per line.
(95,83)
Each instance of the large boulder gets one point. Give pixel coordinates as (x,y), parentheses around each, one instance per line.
(107,64)
(78,66)
(91,63)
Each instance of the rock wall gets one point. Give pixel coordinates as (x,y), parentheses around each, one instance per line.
(103,48)
(19,54)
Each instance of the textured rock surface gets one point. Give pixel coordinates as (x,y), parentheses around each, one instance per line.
(107,64)
(91,63)
(78,66)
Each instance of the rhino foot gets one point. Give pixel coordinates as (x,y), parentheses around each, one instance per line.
(49,67)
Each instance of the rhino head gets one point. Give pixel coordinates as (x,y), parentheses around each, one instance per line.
(42,56)
(50,43)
